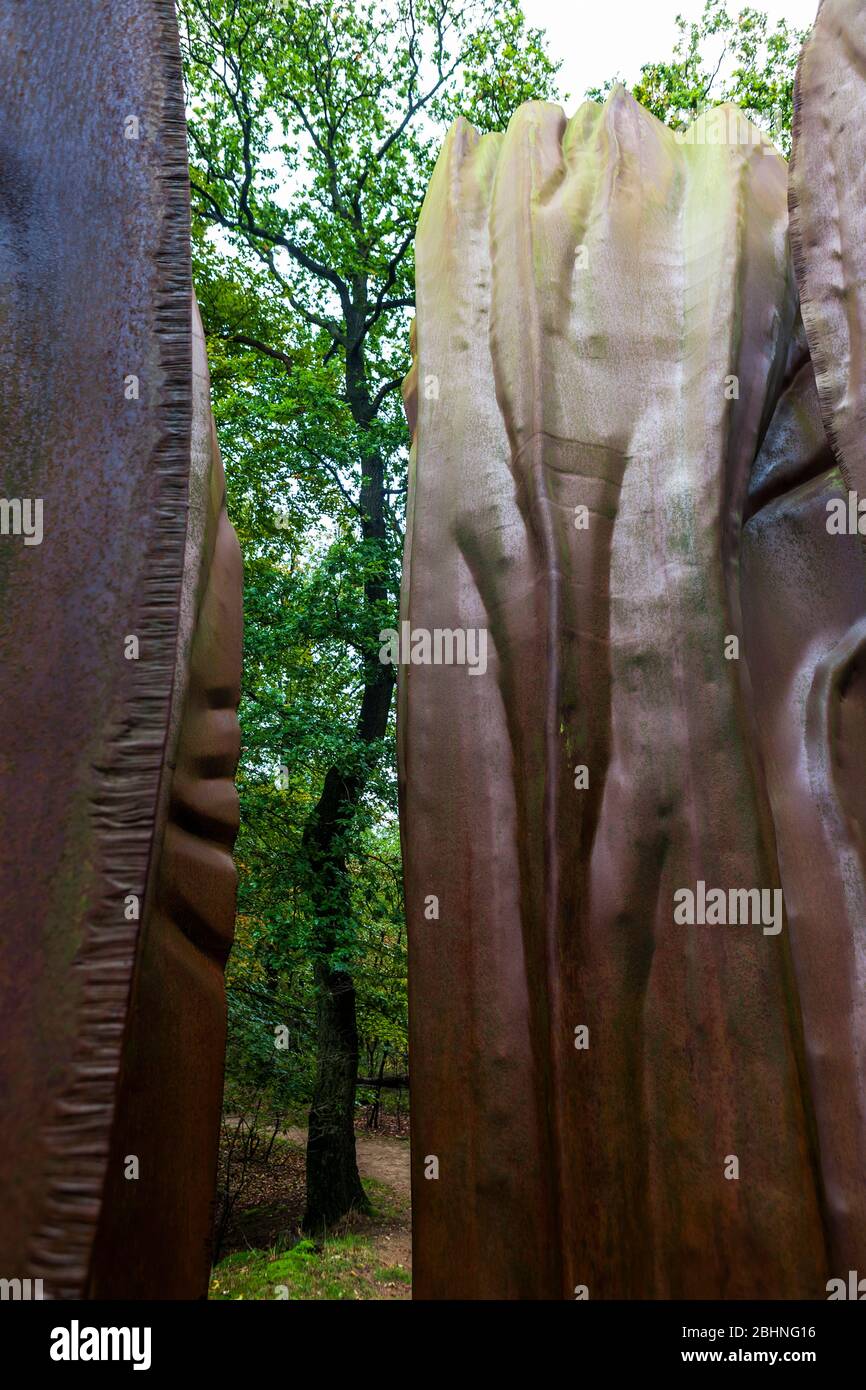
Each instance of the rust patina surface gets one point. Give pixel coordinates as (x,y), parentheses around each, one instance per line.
(120,632)
(632,404)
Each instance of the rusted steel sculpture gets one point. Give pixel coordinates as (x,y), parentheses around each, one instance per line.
(633,713)
(120,634)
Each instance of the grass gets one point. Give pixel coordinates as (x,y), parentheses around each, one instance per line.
(341,1267)
(345,1265)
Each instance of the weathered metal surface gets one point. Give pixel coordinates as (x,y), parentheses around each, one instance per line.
(808,617)
(608,318)
(170,1087)
(118,813)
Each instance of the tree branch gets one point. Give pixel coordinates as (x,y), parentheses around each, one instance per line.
(245,341)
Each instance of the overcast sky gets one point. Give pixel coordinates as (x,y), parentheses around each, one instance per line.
(598,38)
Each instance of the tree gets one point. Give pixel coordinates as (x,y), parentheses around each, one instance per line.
(720,57)
(313,129)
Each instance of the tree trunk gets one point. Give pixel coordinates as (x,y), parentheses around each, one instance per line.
(333,1184)
(373,1114)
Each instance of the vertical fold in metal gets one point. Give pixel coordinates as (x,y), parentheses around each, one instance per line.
(605,319)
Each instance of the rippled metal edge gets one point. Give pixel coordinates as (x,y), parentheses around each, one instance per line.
(77,1134)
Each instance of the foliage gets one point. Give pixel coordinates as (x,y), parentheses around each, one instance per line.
(720,57)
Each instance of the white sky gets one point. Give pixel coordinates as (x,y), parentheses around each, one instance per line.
(599,38)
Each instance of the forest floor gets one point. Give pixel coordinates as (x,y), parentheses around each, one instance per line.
(367,1256)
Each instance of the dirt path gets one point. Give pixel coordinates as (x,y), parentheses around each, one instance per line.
(385,1160)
